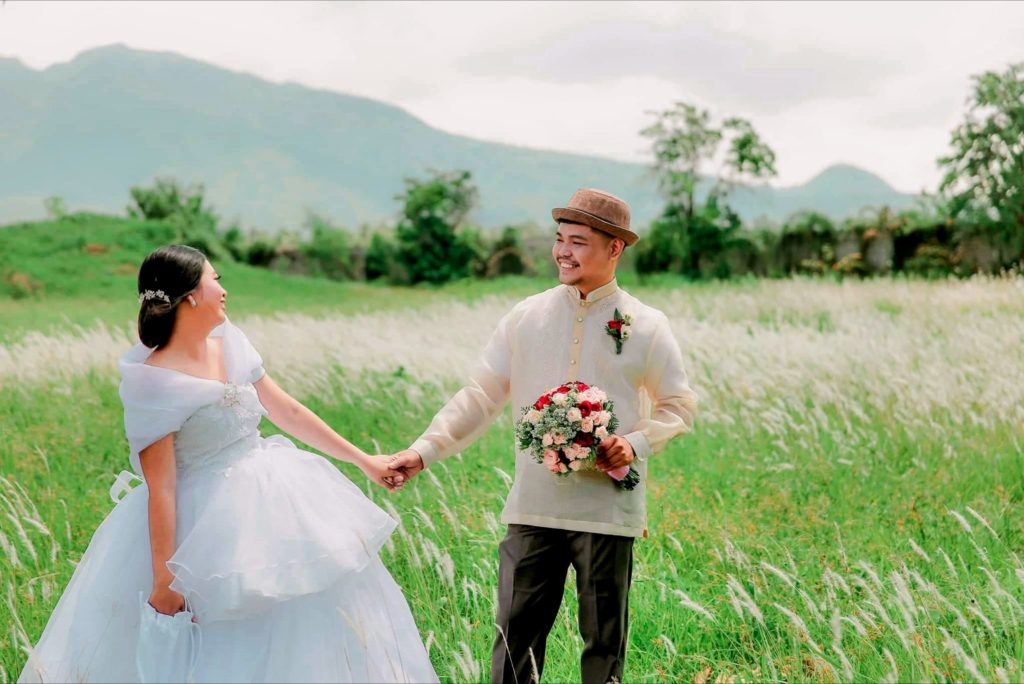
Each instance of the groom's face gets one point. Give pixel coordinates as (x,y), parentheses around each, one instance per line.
(585,256)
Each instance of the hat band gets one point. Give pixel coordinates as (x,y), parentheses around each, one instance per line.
(596,218)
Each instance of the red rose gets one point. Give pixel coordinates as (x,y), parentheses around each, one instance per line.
(584,407)
(542,402)
(582,387)
(563,389)
(615,325)
(585,439)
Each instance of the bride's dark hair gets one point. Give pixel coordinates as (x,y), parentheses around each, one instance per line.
(173,271)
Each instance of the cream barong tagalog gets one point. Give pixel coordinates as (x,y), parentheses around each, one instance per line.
(548,339)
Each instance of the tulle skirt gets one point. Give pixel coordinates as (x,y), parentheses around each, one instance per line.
(278,553)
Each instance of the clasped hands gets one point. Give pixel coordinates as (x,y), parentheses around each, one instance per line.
(395,470)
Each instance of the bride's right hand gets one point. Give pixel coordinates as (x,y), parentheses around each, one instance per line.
(165,600)
(376,468)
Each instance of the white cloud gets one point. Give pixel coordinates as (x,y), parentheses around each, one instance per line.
(878,85)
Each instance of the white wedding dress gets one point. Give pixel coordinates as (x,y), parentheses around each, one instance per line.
(276,550)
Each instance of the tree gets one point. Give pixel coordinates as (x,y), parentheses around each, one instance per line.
(686,142)
(430,245)
(168,198)
(56,207)
(687,147)
(985,170)
(184,208)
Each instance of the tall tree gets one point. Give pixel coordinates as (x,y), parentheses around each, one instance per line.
(430,246)
(985,170)
(687,146)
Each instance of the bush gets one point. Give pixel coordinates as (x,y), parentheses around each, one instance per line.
(380,257)
(184,208)
(328,252)
(507,256)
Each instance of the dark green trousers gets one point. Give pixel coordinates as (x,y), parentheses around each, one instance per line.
(534,562)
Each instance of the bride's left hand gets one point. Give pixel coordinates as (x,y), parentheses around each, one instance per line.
(376,468)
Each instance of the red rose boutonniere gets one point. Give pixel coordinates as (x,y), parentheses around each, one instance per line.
(618,329)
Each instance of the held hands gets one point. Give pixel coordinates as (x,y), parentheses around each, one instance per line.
(408,463)
(614,452)
(377,469)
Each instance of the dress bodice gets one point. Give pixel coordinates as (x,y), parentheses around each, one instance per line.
(209,436)
(206,416)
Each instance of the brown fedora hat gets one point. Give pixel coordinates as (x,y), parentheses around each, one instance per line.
(599,210)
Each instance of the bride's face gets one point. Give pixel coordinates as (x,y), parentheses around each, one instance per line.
(211,298)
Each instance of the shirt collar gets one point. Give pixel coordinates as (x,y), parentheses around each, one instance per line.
(600,293)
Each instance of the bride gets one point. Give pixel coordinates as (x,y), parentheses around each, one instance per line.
(275,550)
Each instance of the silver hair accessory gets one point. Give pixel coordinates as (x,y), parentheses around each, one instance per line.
(154,294)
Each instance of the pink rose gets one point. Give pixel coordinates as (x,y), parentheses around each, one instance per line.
(587,425)
(601,432)
(572,452)
(548,439)
(551,460)
(576,465)
(574,415)
(559,438)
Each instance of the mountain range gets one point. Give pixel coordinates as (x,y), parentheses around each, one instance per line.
(268,153)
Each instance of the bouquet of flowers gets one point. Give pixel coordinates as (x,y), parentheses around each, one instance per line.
(563,428)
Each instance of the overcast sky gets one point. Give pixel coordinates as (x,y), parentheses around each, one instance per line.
(878,85)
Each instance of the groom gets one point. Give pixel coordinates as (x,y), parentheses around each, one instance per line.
(583,520)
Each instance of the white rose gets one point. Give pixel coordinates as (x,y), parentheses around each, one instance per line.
(560,399)
(548,439)
(625,332)
(533,415)
(604,417)
(574,415)
(588,424)
(601,432)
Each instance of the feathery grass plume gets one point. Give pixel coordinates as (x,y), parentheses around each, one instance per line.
(966,661)
(687,602)
(919,551)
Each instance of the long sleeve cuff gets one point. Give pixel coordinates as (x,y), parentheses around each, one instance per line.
(641,447)
(427,451)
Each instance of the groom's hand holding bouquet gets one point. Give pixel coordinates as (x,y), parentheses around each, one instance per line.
(569,428)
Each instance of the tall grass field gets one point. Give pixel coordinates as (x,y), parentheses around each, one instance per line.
(849,506)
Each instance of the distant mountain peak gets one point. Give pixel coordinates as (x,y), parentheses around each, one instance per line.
(115,116)
(847,174)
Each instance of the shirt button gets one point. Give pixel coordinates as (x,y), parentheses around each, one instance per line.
(579,319)
(573,362)
(576,341)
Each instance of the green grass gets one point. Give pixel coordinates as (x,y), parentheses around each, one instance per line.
(813,513)
(713,516)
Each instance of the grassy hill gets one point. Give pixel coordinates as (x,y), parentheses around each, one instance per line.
(83,269)
(114,117)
